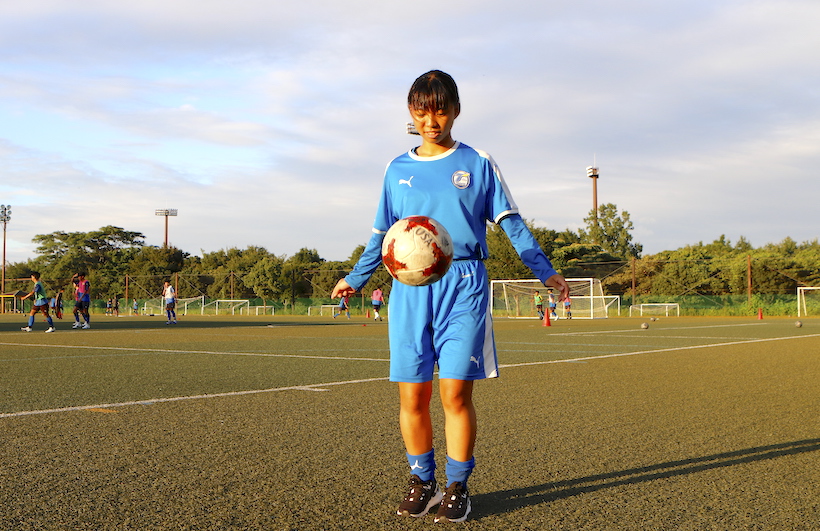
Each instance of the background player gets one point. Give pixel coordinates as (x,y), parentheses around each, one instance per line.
(447,323)
(377,299)
(539,304)
(82,300)
(170,297)
(38,295)
(344,306)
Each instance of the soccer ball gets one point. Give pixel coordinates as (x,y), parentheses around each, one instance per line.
(417,250)
(644,325)
(798,324)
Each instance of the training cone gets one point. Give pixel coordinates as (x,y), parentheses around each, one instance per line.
(760,313)
(368,314)
(547,319)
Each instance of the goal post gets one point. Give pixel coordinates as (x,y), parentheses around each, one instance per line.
(514,299)
(655,308)
(808,301)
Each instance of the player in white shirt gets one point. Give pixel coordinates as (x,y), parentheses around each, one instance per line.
(169,294)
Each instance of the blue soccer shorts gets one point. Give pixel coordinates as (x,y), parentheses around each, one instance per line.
(448,323)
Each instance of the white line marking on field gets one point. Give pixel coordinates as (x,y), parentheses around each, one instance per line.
(673,349)
(310,387)
(174,351)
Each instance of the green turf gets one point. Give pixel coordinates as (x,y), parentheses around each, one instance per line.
(690,424)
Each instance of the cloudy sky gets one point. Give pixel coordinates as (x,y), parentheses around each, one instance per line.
(270,123)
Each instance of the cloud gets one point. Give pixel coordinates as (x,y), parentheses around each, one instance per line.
(271,124)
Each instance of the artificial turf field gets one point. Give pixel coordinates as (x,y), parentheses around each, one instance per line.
(288,423)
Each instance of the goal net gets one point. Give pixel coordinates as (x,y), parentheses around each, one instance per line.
(656,308)
(227,306)
(808,301)
(515,298)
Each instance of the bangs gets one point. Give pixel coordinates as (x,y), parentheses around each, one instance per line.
(433,91)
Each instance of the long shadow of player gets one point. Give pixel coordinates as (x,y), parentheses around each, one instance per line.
(510,500)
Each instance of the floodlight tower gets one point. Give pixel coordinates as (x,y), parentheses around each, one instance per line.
(5,216)
(592,173)
(166,212)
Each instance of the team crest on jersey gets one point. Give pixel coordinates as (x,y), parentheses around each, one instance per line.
(461,179)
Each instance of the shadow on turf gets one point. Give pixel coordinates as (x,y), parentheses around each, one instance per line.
(511,500)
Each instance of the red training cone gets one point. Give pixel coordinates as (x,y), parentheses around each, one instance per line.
(368,314)
(547,319)
(760,313)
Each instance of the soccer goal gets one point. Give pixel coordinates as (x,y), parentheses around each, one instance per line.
(656,308)
(329,309)
(183,306)
(514,299)
(808,301)
(231,306)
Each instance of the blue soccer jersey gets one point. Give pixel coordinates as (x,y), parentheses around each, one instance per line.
(462,189)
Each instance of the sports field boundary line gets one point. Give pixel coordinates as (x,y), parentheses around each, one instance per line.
(151,401)
(179,351)
(654,351)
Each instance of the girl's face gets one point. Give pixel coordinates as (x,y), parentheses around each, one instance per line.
(434,128)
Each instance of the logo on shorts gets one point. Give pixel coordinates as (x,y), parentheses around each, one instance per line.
(473,359)
(461,179)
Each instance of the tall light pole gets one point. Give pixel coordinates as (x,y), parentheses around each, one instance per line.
(592,173)
(5,216)
(166,212)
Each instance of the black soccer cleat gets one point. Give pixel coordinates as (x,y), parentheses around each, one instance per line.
(423,496)
(456,504)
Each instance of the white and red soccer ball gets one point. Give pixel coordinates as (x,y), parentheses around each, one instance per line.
(417,250)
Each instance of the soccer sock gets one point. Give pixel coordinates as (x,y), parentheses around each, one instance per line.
(424,465)
(30,321)
(50,321)
(459,470)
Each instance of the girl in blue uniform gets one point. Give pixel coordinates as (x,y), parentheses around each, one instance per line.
(446,324)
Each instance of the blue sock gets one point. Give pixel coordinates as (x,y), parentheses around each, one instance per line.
(50,322)
(424,465)
(459,470)
(30,321)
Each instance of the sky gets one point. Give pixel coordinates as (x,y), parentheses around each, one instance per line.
(271,123)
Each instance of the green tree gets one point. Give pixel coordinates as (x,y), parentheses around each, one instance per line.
(611,231)
(265,277)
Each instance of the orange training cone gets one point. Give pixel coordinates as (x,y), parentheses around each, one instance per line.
(547,319)
(760,313)
(368,314)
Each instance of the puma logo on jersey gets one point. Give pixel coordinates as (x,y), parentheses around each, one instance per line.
(407,181)
(473,359)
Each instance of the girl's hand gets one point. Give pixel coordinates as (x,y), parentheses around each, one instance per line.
(342,289)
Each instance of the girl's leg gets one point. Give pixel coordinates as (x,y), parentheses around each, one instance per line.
(414,416)
(459,417)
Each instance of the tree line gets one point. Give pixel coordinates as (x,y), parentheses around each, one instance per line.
(113,256)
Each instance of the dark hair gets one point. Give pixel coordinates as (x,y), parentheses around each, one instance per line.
(35,274)
(434,91)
